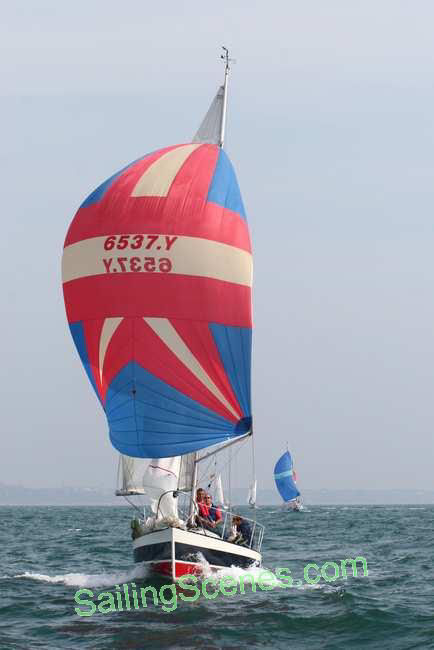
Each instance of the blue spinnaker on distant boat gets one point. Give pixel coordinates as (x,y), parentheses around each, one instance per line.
(284,477)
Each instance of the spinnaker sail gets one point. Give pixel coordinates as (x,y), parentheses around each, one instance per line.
(157,275)
(284,478)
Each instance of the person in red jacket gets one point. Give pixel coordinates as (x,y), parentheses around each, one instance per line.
(201,504)
(214,512)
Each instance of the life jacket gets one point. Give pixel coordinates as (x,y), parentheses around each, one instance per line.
(215,514)
(203,510)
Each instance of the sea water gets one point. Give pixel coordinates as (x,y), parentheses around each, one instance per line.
(49,553)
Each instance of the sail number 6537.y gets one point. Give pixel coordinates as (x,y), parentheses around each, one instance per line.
(135,242)
(137,264)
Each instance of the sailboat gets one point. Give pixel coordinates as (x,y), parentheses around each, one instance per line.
(219,496)
(285,478)
(251,497)
(157,277)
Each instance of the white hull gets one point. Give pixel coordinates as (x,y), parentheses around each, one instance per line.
(175,552)
(293,506)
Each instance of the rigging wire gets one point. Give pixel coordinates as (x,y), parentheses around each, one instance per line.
(223,466)
(228,466)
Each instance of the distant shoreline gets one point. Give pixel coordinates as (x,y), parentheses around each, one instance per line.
(12,495)
(236,506)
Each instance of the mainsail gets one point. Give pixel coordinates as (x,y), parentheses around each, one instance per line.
(210,129)
(284,478)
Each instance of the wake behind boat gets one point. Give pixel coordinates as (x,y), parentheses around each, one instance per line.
(157,275)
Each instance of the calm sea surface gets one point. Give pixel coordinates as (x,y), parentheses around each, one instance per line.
(48,553)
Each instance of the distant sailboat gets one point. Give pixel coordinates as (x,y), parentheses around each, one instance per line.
(285,477)
(219,496)
(251,498)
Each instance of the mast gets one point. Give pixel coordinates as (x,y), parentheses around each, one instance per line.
(227,60)
(193,488)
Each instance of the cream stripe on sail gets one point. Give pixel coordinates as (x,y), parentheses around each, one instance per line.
(187,255)
(158,178)
(168,334)
(108,329)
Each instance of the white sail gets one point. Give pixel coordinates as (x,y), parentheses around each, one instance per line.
(131,475)
(155,477)
(251,499)
(219,496)
(210,129)
(186,472)
(161,477)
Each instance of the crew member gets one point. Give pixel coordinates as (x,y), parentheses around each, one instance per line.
(241,531)
(214,512)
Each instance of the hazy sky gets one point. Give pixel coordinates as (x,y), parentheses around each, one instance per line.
(331,131)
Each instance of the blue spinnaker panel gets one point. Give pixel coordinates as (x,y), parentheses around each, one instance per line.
(284,478)
(169,419)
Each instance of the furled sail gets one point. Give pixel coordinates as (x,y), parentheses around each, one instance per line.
(157,274)
(210,129)
(284,478)
(251,498)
